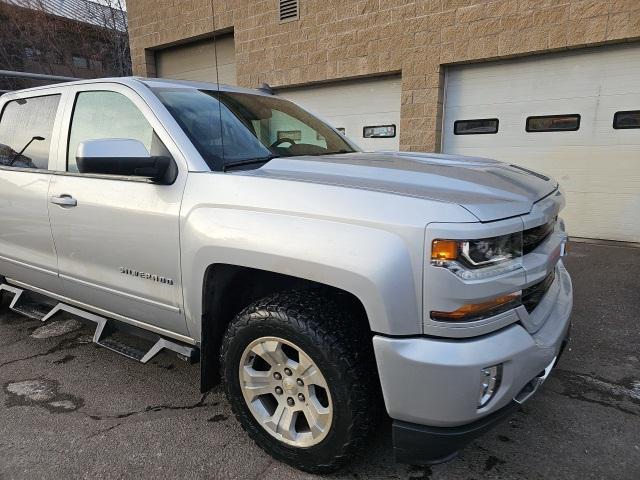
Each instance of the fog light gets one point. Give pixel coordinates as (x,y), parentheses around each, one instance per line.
(489,384)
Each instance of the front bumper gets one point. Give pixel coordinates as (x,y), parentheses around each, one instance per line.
(435,382)
(419,444)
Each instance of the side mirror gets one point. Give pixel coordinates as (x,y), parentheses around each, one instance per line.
(120,156)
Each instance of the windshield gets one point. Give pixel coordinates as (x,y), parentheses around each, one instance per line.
(231,128)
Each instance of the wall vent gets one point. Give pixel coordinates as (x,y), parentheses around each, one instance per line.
(289,10)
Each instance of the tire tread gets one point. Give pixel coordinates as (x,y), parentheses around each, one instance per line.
(324,319)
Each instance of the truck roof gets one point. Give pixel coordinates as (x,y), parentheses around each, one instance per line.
(135,82)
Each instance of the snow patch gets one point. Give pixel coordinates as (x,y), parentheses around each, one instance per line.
(65,404)
(34,390)
(57,329)
(617,390)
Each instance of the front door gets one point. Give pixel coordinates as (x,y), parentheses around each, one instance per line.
(117,238)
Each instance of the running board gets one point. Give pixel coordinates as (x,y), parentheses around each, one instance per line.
(103,335)
(24,306)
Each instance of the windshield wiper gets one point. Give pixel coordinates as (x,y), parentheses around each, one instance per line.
(250,161)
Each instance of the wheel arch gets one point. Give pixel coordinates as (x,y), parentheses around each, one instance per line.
(227,289)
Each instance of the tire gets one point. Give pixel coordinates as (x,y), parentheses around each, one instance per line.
(315,323)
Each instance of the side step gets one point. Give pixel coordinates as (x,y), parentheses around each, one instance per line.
(26,306)
(106,335)
(122,348)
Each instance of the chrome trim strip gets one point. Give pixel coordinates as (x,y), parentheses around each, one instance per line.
(165,306)
(107,313)
(498,260)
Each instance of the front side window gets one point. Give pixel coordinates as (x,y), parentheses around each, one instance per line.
(553,123)
(26,127)
(101,114)
(230,128)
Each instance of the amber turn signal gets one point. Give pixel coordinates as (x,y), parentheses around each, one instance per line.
(477,311)
(444,250)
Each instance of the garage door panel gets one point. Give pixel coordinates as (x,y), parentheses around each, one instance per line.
(525,83)
(598,166)
(352,105)
(625,221)
(197,61)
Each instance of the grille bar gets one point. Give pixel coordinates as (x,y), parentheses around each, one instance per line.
(533,237)
(532,295)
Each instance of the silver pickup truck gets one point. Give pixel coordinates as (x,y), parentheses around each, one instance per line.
(314,281)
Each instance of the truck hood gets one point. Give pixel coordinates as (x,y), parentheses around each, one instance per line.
(489,189)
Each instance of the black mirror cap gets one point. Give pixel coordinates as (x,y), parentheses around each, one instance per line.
(154,168)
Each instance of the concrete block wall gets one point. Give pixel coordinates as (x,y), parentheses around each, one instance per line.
(339,39)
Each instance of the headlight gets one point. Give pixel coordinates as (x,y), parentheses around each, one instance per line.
(473,259)
(477,253)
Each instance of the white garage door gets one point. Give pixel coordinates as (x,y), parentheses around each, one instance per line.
(196,61)
(597,165)
(355,106)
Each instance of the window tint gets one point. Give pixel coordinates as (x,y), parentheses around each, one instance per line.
(230,127)
(629,119)
(553,123)
(26,126)
(98,115)
(475,127)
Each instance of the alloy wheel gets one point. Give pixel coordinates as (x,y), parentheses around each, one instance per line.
(286,392)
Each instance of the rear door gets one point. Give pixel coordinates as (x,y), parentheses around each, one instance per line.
(28,127)
(118,239)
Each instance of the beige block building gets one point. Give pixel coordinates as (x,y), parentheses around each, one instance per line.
(549,84)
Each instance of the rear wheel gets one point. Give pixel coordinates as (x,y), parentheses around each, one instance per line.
(298,378)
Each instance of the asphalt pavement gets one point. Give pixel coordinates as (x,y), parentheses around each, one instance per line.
(69,409)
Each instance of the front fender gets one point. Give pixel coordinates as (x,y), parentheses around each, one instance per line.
(378,266)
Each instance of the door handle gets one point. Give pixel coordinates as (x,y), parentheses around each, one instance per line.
(64,201)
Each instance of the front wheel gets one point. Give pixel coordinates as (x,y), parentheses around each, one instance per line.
(298,380)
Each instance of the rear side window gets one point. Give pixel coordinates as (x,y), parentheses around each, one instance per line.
(476,127)
(553,123)
(101,114)
(26,127)
(629,119)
